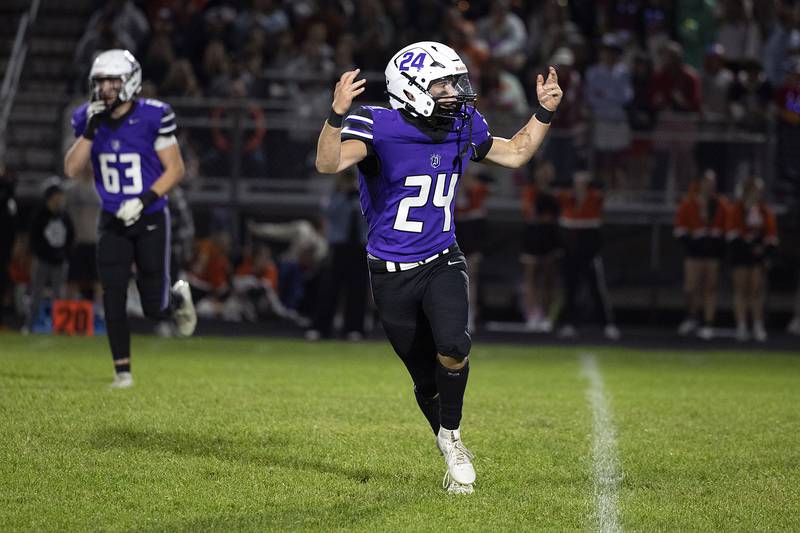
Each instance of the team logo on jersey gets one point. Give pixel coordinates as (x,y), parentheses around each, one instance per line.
(435,160)
(115,145)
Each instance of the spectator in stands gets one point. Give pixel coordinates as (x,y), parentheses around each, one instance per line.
(581,222)
(344,275)
(787,104)
(501,91)
(160,52)
(82,204)
(471,226)
(700,225)
(567,125)
(375,33)
(642,120)
(180,81)
(778,46)
(715,81)
(52,235)
(125,19)
(8,231)
(463,38)
(752,235)
(505,34)
(676,96)
(608,91)
(738,33)
(549,29)
(265,15)
(540,210)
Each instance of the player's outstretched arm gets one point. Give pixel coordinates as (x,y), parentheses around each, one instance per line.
(333,155)
(518,150)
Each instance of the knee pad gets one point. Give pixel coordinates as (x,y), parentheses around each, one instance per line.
(458,347)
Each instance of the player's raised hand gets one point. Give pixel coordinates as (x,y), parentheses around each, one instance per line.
(96,114)
(548,91)
(346,90)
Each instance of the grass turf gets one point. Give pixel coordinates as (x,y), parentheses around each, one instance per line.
(255,434)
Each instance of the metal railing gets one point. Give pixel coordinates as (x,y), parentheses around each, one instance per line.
(16,61)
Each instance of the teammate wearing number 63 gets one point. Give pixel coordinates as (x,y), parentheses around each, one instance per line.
(410,158)
(130,145)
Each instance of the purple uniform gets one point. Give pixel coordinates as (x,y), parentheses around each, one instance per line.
(409,179)
(124,155)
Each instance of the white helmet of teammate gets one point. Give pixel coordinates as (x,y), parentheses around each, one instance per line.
(412,70)
(116,64)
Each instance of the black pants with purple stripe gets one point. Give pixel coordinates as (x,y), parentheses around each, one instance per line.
(145,244)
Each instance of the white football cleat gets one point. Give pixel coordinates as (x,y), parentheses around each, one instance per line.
(460,474)
(122,380)
(794,327)
(759,332)
(742,335)
(185,316)
(612,332)
(706,333)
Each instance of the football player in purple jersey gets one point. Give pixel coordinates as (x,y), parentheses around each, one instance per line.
(410,157)
(130,145)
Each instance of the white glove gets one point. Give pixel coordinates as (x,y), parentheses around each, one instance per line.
(130,211)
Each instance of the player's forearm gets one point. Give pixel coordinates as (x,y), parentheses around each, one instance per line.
(527,141)
(77,158)
(329,149)
(170,178)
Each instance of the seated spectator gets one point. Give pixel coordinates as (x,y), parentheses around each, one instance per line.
(209,277)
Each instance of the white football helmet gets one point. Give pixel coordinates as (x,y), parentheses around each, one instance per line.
(116,64)
(412,70)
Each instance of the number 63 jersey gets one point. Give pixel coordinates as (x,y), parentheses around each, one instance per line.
(124,155)
(409,179)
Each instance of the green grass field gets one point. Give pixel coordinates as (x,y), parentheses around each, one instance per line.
(261,434)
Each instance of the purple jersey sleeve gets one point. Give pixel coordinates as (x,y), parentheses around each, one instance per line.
(358,125)
(481,138)
(79,119)
(167,125)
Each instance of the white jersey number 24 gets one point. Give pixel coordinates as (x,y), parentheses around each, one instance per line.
(440,199)
(129,164)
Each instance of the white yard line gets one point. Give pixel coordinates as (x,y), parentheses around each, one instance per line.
(607,472)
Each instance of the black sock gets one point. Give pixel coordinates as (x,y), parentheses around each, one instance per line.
(429,408)
(122,364)
(451,384)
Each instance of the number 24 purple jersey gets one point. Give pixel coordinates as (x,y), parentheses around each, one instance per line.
(124,155)
(409,180)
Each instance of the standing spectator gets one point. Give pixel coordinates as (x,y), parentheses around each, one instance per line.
(581,225)
(505,34)
(700,226)
(8,230)
(778,45)
(501,92)
(540,210)
(642,119)
(787,103)
(471,224)
(345,273)
(753,236)
(568,124)
(51,237)
(82,204)
(716,80)
(738,33)
(676,96)
(608,92)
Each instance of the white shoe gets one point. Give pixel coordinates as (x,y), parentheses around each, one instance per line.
(612,332)
(687,326)
(122,380)
(185,316)
(794,326)
(567,331)
(742,335)
(533,324)
(706,333)
(312,335)
(759,332)
(545,326)
(459,462)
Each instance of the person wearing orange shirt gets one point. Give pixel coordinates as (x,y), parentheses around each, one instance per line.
(540,210)
(752,234)
(581,236)
(700,226)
